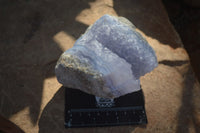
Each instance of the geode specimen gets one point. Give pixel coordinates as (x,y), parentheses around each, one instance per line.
(107,60)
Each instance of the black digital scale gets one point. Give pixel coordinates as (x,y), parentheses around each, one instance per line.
(85,110)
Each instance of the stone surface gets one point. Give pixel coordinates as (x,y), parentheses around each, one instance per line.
(30,95)
(186,20)
(108,60)
(194,3)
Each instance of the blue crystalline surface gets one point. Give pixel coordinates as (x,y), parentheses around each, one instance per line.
(113,48)
(122,40)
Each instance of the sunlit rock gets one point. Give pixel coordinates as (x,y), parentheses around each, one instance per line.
(108,60)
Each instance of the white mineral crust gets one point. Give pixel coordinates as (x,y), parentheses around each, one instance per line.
(107,60)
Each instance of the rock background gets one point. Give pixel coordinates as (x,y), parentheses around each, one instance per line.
(185,16)
(34,34)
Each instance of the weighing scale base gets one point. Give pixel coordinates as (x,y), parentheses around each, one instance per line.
(85,110)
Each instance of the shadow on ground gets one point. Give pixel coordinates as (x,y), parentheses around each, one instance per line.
(28,53)
(187,114)
(52,119)
(151,27)
(173,63)
(185,16)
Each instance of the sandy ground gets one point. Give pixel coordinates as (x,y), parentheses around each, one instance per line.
(35,33)
(185,16)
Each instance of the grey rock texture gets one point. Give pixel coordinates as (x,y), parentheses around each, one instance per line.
(30,94)
(108,60)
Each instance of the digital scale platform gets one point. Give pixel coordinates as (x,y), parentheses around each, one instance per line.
(85,110)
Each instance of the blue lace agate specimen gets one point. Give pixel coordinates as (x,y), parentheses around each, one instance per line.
(107,60)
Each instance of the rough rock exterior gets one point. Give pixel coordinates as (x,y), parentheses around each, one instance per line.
(30,94)
(108,60)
